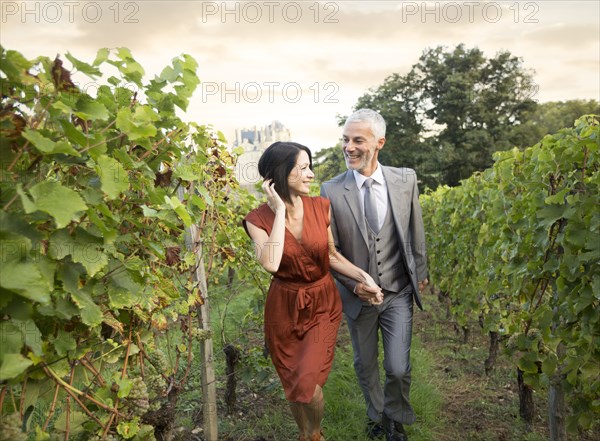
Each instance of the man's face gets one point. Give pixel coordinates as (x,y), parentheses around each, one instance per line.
(360,147)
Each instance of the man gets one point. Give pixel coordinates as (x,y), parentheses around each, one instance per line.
(377,225)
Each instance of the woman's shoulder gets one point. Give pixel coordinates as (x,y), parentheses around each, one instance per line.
(258,217)
(320,205)
(320,201)
(258,212)
(317,200)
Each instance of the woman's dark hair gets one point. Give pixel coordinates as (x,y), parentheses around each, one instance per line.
(278,161)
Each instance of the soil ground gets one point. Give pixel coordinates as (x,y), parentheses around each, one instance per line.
(475,406)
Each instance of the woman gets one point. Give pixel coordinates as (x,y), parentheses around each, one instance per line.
(303,309)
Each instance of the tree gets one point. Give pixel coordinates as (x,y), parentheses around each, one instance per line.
(329,162)
(451,111)
(550,117)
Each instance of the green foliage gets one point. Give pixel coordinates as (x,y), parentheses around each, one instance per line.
(451,111)
(517,247)
(97,193)
(329,162)
(454,109)
(550,117)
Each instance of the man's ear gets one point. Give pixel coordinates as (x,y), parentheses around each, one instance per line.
(380,143)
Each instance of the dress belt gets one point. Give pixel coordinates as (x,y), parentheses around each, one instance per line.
(303,299)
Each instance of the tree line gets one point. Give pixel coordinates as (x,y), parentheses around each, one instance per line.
(454,109)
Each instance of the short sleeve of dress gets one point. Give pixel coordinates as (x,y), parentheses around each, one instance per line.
(255,219)
(324,209)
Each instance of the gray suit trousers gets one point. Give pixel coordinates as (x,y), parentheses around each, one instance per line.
(394,318)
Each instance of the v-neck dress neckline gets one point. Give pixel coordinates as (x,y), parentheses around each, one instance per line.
(299,241)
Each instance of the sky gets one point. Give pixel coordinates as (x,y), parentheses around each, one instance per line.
(304,63)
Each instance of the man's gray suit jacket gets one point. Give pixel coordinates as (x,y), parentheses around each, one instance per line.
(350,230)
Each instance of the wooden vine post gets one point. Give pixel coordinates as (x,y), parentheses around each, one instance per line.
(209,389)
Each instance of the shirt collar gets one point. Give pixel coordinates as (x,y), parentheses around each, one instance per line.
(377,177)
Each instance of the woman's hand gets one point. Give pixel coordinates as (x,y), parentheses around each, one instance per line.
(273,199)
(369,291)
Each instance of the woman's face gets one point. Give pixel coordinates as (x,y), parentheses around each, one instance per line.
(301,175)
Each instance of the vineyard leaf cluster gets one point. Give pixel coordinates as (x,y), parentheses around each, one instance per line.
(516,248)
(97,193)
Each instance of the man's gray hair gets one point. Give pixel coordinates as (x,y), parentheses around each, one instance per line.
(374,119)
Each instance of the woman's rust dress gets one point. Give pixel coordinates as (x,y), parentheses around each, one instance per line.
(303,308)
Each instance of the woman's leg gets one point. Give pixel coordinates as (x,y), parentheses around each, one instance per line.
(301,419)
(308,416)
(314,412)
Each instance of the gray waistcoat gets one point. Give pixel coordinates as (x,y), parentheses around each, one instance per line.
(385,260)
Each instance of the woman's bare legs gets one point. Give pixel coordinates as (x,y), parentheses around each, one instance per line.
(308,416)
(300,417)
(314,411)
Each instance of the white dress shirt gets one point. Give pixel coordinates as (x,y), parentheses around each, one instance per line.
(379,188)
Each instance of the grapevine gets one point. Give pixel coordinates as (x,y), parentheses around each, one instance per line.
(97,195)
(516,247)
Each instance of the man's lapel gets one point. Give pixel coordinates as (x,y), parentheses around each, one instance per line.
(394,184)
(352,196)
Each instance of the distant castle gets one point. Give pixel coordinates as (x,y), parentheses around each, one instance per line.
(254,141)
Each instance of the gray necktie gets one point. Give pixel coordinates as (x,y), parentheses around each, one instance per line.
(371,206)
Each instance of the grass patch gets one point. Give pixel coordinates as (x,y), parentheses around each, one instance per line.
(262,412)
(452,396)
(345,411)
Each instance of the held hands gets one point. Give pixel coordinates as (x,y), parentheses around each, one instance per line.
(273,199)
(368,291)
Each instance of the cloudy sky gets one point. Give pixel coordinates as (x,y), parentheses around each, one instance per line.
(305,62)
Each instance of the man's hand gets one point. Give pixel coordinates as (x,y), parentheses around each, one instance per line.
(422,284)
(371,294)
